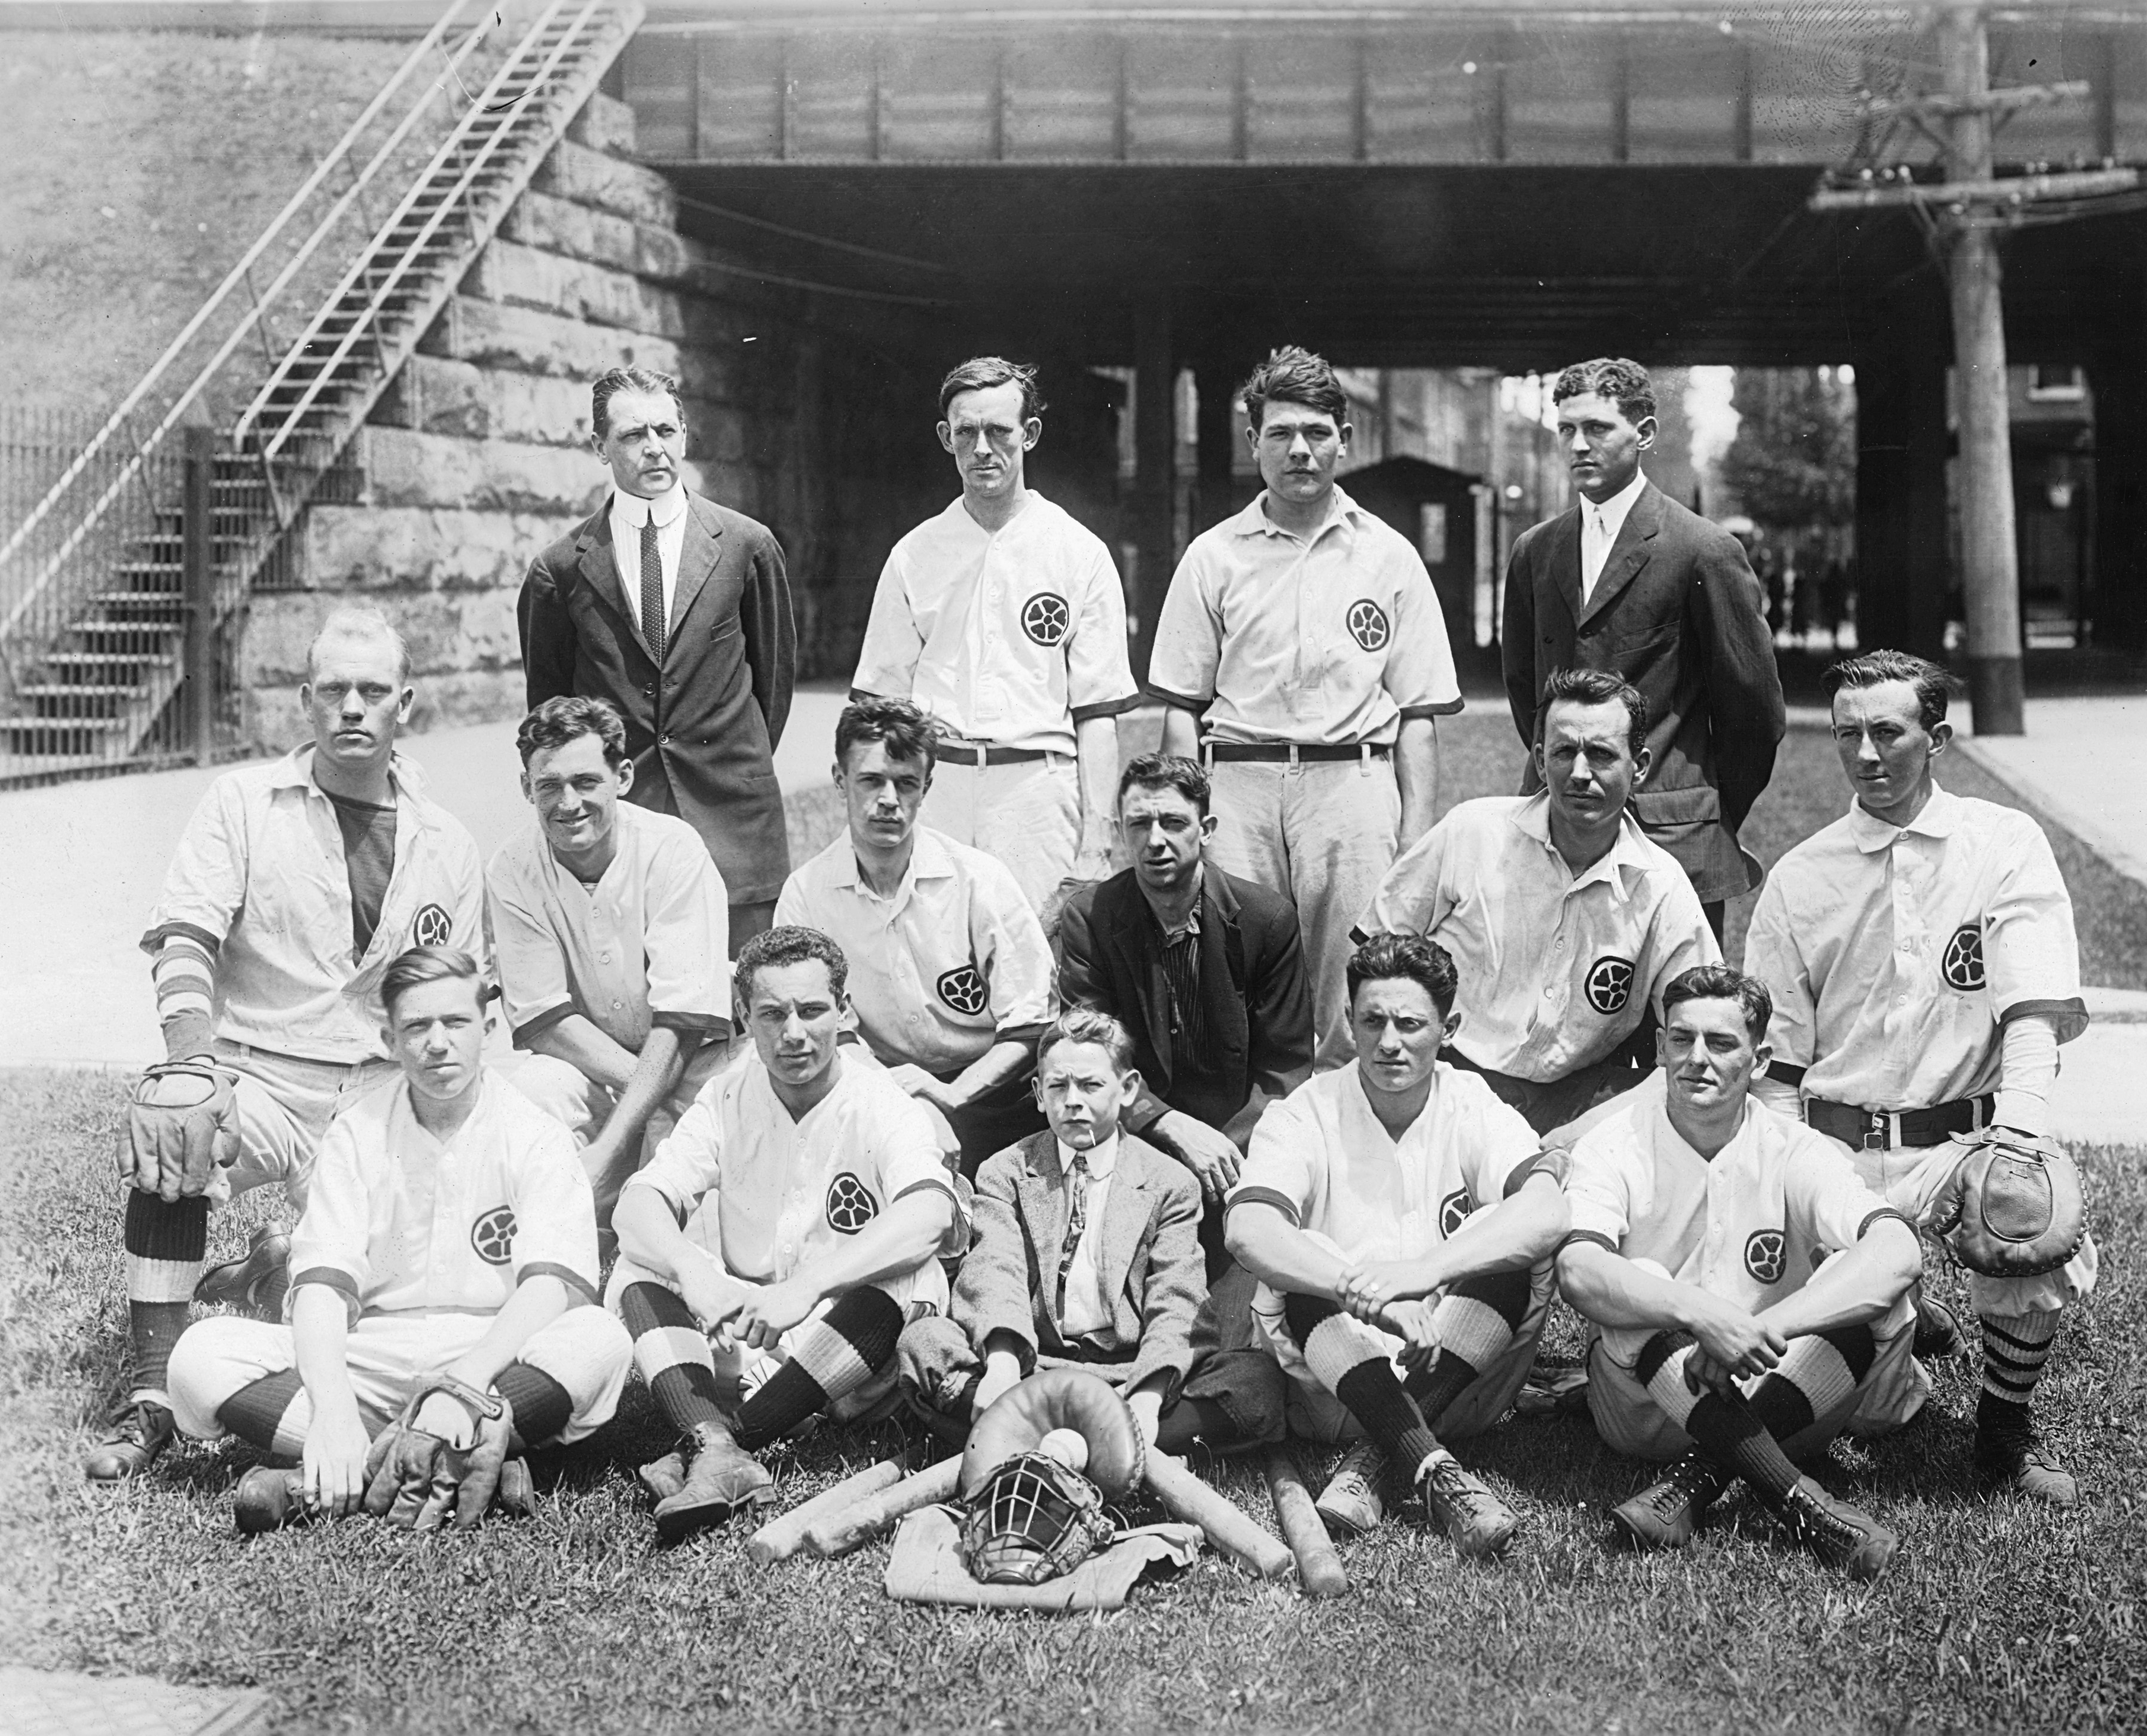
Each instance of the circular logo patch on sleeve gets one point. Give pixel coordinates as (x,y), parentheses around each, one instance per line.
(433,928)
(1609,984)
(964,990)
(1962,966)
(1452,1213)
(1367,624)
(1767,1254)
(850,1204)
(492,1236)
(1046,619)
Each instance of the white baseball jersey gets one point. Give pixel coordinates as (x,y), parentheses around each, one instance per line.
(647,946)
(260,882)
(1895,953)
(953,963)
(398,1221)
(1751,1225)
(1324,1159)
(1011,636)
(1556,969)
(1331,639)
(767,1194)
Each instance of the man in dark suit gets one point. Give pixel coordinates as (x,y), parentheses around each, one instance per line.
(1207,972)
(1628,581)
(677,611)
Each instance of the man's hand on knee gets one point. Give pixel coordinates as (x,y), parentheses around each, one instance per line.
(181,1123)
(1209,1153)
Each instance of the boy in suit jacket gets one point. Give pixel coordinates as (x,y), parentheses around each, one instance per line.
(1087,1255)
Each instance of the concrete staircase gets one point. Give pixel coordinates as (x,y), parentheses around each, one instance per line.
(99,691)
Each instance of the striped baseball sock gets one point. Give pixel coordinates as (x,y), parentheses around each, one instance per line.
(2016,1349)
(671,1353)
(829,1357)
(166,1244)
(1816,1375)
(542,1407)
(1474,1322)
(1350,1360)
(1724,1428)
(256,1414)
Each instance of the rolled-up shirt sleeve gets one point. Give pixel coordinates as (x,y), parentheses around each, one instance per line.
(887,662)
(689,1165)
(1278,1170)
(1189,638)
(1099,679)
(555,1219)
(686,941)
(330,1245)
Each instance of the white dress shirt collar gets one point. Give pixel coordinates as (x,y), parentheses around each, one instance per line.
(1101,1159)
(634,510)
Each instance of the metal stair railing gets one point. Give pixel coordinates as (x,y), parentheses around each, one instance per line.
(290,438)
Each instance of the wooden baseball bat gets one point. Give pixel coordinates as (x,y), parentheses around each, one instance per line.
(1319,1569)
(838,1533)
(783,1536)
(1228,1526)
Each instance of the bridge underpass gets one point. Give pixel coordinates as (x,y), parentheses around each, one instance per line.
(1151,190)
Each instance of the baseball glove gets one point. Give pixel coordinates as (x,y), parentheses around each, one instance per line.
(1018,1419)
(2012,1207)
(1033,1519)
(414,1479)
(181,1123)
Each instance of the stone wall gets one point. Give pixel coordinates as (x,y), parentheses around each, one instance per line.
(478,454)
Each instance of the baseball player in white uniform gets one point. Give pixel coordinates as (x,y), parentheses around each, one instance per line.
(445,1268)
(612,926)
(1367,1192)
(294,884)
(796,1214)
(1564,922)
(1921,953)
(1751,1294)
(1306,633)
(1003,618)
(950,973)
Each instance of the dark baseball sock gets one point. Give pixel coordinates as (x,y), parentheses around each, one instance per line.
(685,1392)
(829,1357)
(542,1407)
(1451,1374)
(166,1242)
(1366,1387)
(1784,1409)
(254,1413)
(1725,1429)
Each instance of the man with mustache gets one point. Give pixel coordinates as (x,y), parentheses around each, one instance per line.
(677,611)
(1628,580)
(1306,634)
(1564,922)
(1003,619)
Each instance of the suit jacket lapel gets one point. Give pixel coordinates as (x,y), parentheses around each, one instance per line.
(1138,952)
(697,560)
(1041,1188)
(1125,1215)
(1565,559)
(599,565)
(1223,967)
(1629,553)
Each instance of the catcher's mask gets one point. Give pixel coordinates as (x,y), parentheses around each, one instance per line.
(1032,1520)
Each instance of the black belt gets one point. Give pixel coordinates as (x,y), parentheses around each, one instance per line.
(1886,1129)
(1290,751)
(979,753)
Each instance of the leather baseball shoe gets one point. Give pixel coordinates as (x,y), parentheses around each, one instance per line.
(1665,1515)
(1476,1520)
(1938,1332)
(721,1477)
(2026,1467)
(139,1430)
(268,1499)
(1841,1536)
(1351,1504)
(254,1285)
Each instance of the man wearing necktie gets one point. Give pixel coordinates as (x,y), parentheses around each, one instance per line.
(677,611)
(1628,581)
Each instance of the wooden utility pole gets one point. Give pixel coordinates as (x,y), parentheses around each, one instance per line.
(1991,574)
(1966,211)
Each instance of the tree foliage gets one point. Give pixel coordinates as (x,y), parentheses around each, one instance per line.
(1793,464)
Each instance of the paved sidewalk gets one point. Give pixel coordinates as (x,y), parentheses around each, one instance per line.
(2072,763)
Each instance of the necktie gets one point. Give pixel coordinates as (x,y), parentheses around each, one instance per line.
(1077,1220)
(652,589)
(1594,551)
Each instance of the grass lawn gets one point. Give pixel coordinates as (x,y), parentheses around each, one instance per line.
(1995,1615)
